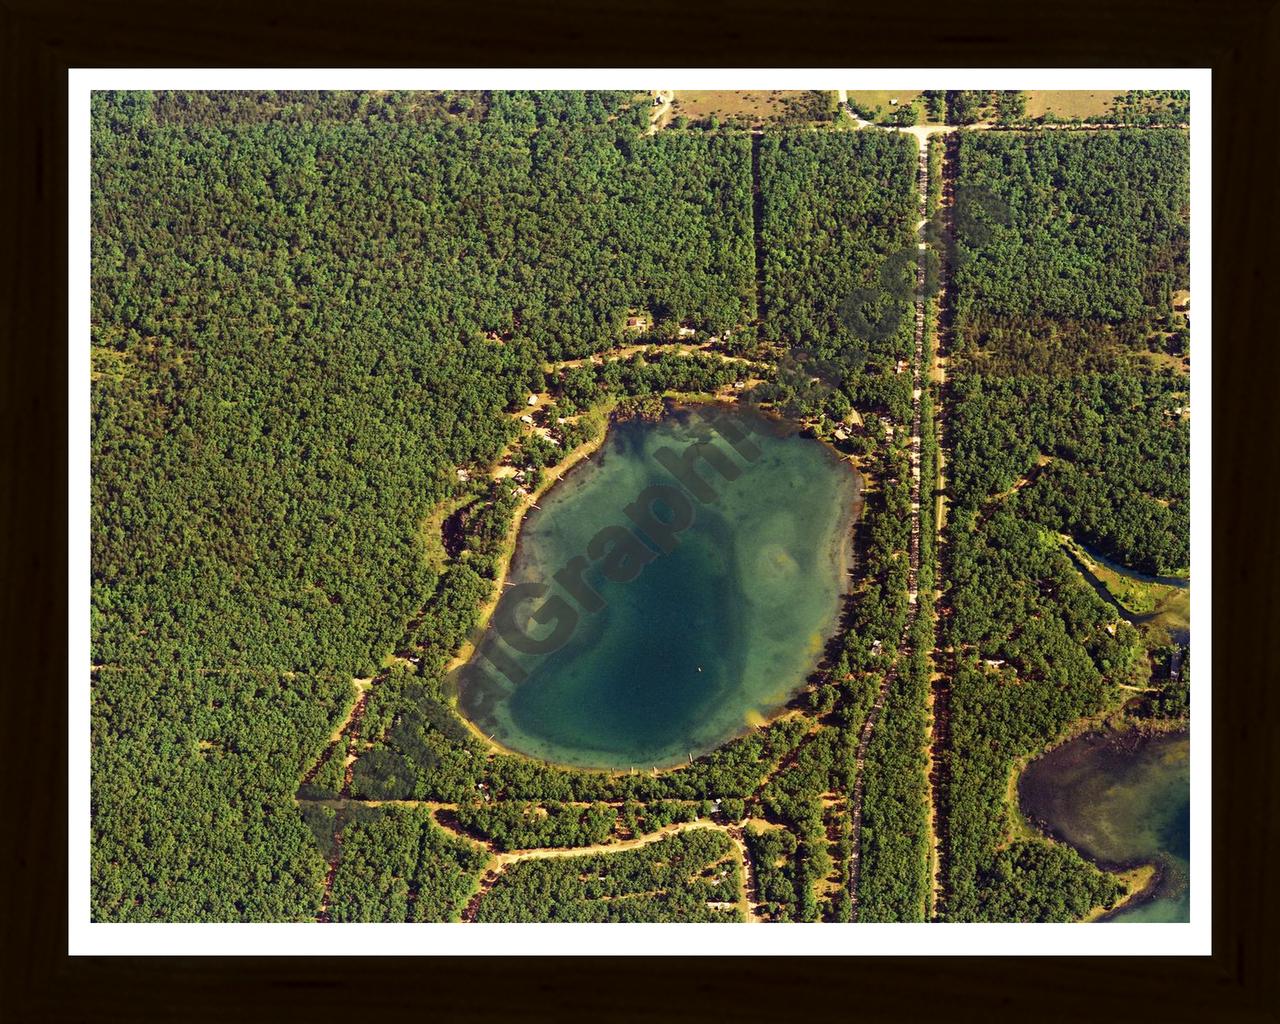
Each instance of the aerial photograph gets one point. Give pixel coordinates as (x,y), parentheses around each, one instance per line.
(745,506)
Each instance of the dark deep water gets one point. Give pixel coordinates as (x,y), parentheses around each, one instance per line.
(706,639)
(1121,799)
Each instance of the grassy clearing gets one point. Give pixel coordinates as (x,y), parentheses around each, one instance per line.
(1016,825)
(1171,618)
(878,100)
(881,97)
(1163,360)
(1070,103)
(756,106)
(1136,596)
(431,531)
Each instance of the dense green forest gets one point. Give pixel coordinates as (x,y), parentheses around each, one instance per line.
(307,310)
(399,865)
(1109,455)
(312,310)
(193,778)
(274,308)
(1058,424)
(837,233)
(1036,647)
(1062,230)
(895,882)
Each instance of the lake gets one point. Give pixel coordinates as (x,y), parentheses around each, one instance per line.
(1121,799)
(711,636)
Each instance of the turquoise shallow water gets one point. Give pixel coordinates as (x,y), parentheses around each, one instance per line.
(720,630)
(1121,800)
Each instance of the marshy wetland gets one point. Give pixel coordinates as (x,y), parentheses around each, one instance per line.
(1122,799)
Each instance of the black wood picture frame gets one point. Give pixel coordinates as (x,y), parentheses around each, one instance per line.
(41,39)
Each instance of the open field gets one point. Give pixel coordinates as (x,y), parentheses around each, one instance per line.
(756,107)
(1070,103)
(1178,364)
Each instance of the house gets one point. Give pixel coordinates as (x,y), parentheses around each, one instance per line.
(526,419)
(842,434)
(686,332)
(533,400)
(463,475)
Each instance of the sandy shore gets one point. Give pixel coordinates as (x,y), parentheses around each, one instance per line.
(554,475)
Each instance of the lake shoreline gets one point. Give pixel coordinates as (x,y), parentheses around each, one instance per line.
(563,472)
(511,545)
